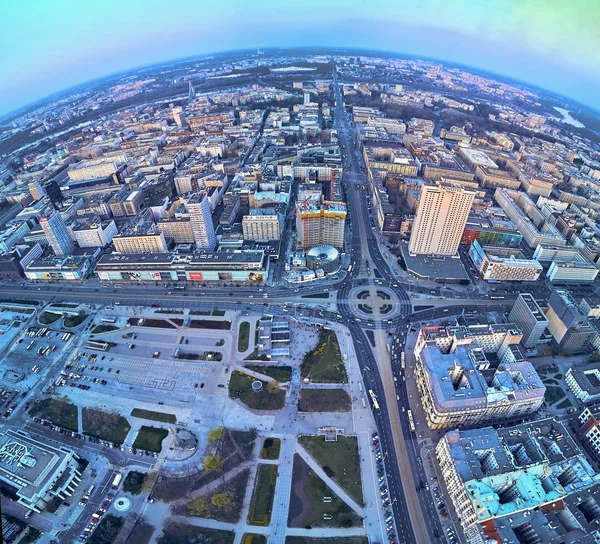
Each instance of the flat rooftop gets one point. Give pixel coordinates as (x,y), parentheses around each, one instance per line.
(434,267)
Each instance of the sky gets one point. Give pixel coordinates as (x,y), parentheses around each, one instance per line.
(50,45)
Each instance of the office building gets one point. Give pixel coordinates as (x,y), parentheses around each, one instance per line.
(306,98)
(140,238)
(567,323)
(132,205)
(178,230)
(440,221)
(68,268)
(589,432)
(93,231)
(466,388)
(503,264)
(37,472)
(201,221)
(529,483)
(529,317)
(320,223)
(262,225)
(57,234)
(54,193)
(584,381)
(576,273)
(36,190)
(528,219)
(179,117)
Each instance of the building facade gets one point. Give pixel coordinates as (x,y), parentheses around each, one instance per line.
(57,234)
(527,314)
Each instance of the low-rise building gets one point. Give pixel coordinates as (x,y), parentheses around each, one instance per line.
(584,381)
(503,264)
(68,268)
(37,471)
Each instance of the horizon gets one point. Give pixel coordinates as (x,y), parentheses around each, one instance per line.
(524,43)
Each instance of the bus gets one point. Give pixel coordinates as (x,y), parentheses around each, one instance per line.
(402,361)
(411,421)
(496,298)
(108,320)
(349,269)
(374,399)
(179,288)
(117,481)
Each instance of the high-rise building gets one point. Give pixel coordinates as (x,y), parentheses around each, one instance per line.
(179,117)
(191,93)
(441,219)
(567,323)
(200,212)
(57,234)
(36,190)
(262,225)
(320,223)
(54,192)
(306,98)
(530,318)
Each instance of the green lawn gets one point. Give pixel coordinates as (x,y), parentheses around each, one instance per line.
(340,461)
(554,394)
(566,403)
(307,485)
(282,374)
(63,414)
(324,400)
(182,533)
(270,449)
(47,318)
(107,530)
(243,336)
(99,329)
(105,425)
(141,534)
(134,482)
(270,398)
(251,538)
(31,536)
(150,438)
(74,320)
(263,495)
(153,416)
(234,490)
(324,364)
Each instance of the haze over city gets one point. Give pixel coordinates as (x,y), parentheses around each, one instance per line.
(55,45)
(299,273)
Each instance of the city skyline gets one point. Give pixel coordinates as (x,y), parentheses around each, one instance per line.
(523,41)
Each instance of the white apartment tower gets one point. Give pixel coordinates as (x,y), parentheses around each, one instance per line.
(57,234)
(441,219)
(200,212)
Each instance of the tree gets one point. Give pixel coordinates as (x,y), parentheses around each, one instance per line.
(220,500)
(216,434)
(198,507)
(212,462)
(272,386)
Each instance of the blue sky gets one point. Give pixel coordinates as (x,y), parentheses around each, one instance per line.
(50,45)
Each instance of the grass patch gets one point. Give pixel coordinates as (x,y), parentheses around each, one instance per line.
(105,425)
(261,504)
(566,403)
(270,449)
(182,533)
(340,460)
(74,320)
(146,322)
(47,318)
(422,308)
(243,336)
(134,482)
(554,394)
(141,533)
(63,414)
(168,311)
(153,416)
(281,374)
(107,530)
(270,398)
(99,329)
(218,313)
(318,295)
(252,538)
(225,503)
(324,363)
(324,400)
(210,324)
(306,501)
(150,438)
